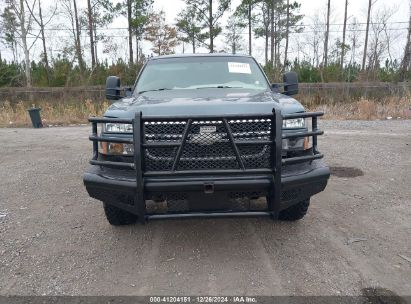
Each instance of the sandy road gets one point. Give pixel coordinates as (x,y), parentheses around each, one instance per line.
(54,239)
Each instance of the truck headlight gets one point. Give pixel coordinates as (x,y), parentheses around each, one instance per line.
(117,148)
(117,128)
(109,148)
(295,144)
(294,123)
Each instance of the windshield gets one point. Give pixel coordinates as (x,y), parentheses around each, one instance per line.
(201,73)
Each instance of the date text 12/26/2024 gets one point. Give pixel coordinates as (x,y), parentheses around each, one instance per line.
(202,299)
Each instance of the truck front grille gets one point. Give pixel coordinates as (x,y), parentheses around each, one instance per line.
(208,144)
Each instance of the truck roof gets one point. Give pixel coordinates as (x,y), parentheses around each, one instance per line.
(199,55)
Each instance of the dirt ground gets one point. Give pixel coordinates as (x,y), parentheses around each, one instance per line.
(54,239)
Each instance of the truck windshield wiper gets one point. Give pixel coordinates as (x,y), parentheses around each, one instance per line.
(220,87)
(154,90)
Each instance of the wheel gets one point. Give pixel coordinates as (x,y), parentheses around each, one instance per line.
(117,216)
(295,212)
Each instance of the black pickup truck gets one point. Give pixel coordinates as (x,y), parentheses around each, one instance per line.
(202,135)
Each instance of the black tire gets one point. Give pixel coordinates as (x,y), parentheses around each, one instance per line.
(295,212)
(118,217)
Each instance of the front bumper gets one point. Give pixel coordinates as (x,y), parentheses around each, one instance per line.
(117,187)
(199,177)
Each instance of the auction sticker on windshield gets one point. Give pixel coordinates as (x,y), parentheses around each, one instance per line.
(239,67)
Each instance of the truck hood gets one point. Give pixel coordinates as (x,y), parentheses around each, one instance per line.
(203,102)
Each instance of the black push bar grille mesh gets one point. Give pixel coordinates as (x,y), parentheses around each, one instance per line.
(207,144)
(164,131)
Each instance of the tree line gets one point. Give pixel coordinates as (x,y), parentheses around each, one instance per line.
(353,55)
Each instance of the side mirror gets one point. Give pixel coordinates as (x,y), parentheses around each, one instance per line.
(290,80)
(113,88)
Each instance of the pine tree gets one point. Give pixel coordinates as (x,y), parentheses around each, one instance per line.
(233,37)
(189,28)
(245,12)
(209,13)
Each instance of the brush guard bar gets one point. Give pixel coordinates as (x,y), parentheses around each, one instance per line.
(140,144)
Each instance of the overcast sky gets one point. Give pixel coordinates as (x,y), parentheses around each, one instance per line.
(357,9)
(309,8)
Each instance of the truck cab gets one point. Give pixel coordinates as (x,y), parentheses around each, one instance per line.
(199,135)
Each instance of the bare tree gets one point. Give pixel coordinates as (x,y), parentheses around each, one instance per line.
(406,60)
(327,34)
(25,21)
(315,38)
(111,48)
(71,13)
(354,28)
(79,50)
(343,46)
(354,44)
(99,13)
(42,25)
(91,34)
(24,31)
(364,57)
(380,39)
